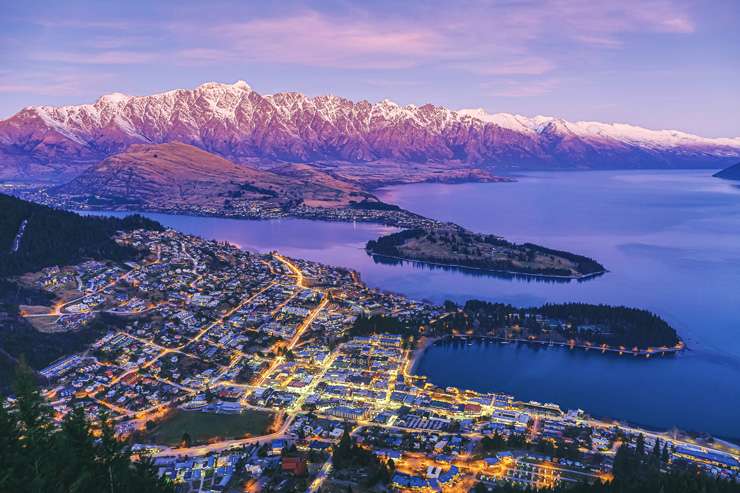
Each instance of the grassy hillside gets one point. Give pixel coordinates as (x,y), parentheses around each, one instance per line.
(177,176)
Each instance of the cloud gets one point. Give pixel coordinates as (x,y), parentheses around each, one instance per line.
(679,24)
(52,83)
(519,47)
(393,83)
(598,40)
(314,39)
(492,38)
(482,37)
(121,42)
(606,24)
(107,57)
(508,88)
(516,66)
(86,24)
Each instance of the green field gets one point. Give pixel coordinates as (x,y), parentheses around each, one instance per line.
(203,427)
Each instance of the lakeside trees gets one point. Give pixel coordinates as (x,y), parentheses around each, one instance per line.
(389,244)
(376,324)
(584,265)
(39,455)
(372,205)
(626,326)
(582,322)
(597,324)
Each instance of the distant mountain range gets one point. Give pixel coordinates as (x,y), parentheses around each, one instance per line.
(353,140)
(731,173)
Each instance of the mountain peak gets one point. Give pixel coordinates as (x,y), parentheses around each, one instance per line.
(239,124)
(114,98)
(240,85)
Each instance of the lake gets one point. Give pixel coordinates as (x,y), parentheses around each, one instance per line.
(671,242)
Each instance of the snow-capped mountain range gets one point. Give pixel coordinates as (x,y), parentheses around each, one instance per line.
(236,122)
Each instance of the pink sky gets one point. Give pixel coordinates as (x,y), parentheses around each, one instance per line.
(655,63)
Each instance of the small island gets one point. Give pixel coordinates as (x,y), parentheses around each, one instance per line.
(731,173)
(453,246)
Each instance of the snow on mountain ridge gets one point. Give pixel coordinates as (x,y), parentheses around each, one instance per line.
(238,123)
(224,99)
(589,129)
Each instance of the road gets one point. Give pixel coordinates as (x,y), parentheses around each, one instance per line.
(164,351)
(300,282)
(57,309)
(19,236)
(321,476)
(197,337)
(224,445)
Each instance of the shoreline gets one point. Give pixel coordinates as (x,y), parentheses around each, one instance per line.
(660,351)
(396,217)
(544,277)
(421,348)
(663,433)
(332,219)
(238,217)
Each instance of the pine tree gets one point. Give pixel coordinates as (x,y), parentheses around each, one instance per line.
(9,443)
(623,462)
(143,478)
(114,460)
(343,451)
(640,446)
(76,448)
(185,441)
(665,455)
(653,460)
(37,455)
(35,420)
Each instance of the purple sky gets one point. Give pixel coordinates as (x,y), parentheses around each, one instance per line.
(656,63)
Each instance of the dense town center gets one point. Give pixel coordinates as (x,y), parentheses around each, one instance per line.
(308,397)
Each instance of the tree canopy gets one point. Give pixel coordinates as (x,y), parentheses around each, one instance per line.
(39,455)
(56,237)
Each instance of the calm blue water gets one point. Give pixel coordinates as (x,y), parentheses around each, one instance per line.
(671,241)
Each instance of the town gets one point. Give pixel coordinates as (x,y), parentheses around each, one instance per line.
(362,211)
(238,371)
